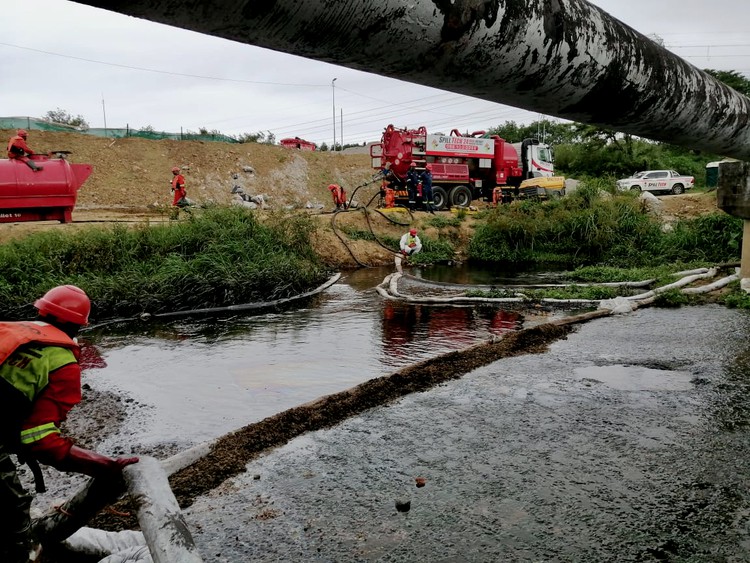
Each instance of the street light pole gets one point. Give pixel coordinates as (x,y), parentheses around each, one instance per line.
(333,96)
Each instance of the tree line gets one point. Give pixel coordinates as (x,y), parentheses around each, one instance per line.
(589,151)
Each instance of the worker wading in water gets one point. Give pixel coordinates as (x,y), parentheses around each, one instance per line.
(179,199)
(409,246)
(40,382)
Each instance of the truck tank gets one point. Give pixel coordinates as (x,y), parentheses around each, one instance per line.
(46,195)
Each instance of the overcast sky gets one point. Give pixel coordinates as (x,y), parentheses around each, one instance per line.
(95,63)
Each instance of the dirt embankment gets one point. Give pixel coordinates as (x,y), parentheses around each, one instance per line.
(131,182)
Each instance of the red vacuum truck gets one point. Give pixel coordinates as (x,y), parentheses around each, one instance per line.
(45,195)
(464,167)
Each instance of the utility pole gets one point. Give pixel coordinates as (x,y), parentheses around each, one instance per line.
(104,111)
(341,123)
(333,97)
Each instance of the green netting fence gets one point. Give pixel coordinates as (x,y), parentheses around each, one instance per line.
(32,123)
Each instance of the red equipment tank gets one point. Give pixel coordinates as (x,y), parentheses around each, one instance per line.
(46,195)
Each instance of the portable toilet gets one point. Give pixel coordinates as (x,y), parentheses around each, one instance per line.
(712,174)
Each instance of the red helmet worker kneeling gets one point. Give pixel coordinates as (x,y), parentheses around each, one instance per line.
(40,382)
(410,243)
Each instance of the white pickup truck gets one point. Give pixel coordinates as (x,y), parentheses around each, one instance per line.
(657,181)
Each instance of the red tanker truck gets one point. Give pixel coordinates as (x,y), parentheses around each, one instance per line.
(46,195)
(464,167)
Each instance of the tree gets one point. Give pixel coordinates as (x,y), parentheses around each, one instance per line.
(61,116)
(733,79)
(263,138)
(551,132)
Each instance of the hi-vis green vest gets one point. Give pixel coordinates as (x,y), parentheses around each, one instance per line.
(28,369)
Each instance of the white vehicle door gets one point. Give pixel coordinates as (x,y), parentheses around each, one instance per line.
(656,181)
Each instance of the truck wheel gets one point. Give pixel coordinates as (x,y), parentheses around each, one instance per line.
(439,198)
(677,189)
(460,196)
(635,189)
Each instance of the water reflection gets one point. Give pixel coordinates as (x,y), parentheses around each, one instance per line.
(205,377)
(406,327)
(471,274)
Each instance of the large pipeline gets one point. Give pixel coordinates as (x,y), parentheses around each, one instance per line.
(565,58)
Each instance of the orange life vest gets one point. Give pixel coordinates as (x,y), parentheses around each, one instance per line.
(14,335)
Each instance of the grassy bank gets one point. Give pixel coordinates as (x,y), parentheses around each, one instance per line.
(586,228)
(223,256)
(608,236)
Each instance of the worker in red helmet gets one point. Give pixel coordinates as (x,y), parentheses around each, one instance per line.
(179,193)
(40,382)
(19,150)
(410,243)
(409,246)
(339,196)
(426,179)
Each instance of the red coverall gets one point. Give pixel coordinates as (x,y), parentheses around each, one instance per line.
(40,384)
(17,148)
(339,196)
(178,187)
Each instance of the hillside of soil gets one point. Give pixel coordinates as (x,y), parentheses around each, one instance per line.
(136,173)
(131,182)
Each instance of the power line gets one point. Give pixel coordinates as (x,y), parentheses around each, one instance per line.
(167,72)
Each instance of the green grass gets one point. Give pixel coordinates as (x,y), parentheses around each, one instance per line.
(736,298)
(568,292)
(225,256)
(588,228)
(440,222)
(357,234)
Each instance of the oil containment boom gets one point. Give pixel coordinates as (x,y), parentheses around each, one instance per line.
(565,58)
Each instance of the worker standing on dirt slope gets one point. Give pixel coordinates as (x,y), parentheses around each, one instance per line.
(412,181)
(339,196)
(426,178)
(410,245)
(179,201)
(19,150)
(40,381)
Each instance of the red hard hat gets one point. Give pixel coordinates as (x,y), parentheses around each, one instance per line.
(67,303)
(428,167)
(333,187)
(413,164)
(412,231)
(175,170)
(22,133)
